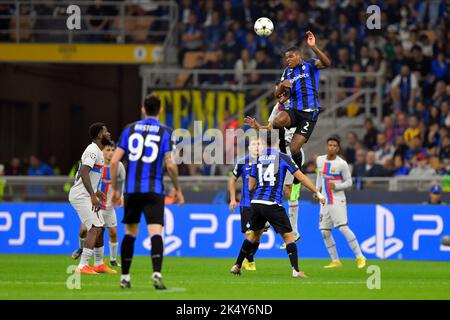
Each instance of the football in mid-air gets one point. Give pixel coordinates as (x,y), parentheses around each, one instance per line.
(263,27)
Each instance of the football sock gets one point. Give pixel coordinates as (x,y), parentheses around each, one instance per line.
(298,158)
(291,249)
(157,252)
(245,250)
(113,246)
(125,277)
(282,143)
(126,253)
(330,244)
(293,216)
(251,255)
(81,242)
(98,256)
(85,257)
(351,239)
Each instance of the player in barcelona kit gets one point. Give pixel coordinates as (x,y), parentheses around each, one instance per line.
(85,197)
(333,177)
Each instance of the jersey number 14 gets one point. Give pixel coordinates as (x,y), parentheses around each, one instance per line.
(136,151)
(268,175)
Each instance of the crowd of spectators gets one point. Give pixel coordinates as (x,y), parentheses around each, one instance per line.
(46,21)
(33,166)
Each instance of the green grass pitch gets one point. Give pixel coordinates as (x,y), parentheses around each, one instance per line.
(44,277)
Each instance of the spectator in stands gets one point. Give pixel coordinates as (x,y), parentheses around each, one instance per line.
(191,37)
(383,151)
(343,61)
(435,196)
(399,60)
(400,147)
(53,163)
(353,44)
(428,13)
(444,152)
(214,32)
(185,8)
(415,149)
(423,115)
(359,169)
(15,168)
(370,135)
(445,114)
(432,136)
(422,168)
(377,61)
(390,132)
(437,165)
(400,169)
(413,130)
(419,62)
(98,19)
(439,94)
(38,168)
(242,66)
(333,46)
(364,56)
(372,169)
(404,89)
(231,50)
(350,150)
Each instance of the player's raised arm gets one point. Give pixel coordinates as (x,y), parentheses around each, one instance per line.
(347,179)
(172,171)
(324,61)
(118,155)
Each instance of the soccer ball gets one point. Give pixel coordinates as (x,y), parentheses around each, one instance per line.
(263,27)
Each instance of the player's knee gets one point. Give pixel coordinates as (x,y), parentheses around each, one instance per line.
(288,237)
(112,234)
(325,234)
(282,120)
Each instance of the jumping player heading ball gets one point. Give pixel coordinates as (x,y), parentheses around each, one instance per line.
(301,79)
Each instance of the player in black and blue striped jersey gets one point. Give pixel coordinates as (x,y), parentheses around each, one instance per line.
(267,179)
(147,144)
(242,169)
(301,80)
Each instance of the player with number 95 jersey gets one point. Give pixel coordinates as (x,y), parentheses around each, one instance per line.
(147,144)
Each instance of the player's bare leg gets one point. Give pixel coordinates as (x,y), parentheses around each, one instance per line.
(113,246)
(282,120)
(81,239)
(126,253)
(155,232)
(291,249)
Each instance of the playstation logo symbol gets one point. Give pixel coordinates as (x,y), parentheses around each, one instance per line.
(383,244)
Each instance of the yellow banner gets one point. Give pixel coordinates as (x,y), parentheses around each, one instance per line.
(80,53)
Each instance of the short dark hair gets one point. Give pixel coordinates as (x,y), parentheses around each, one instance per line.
(152,105)
(95,129)
(337,139)
(293,49)
(111,143)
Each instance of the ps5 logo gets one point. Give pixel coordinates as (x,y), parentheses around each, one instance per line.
(42,226)
(383,244)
